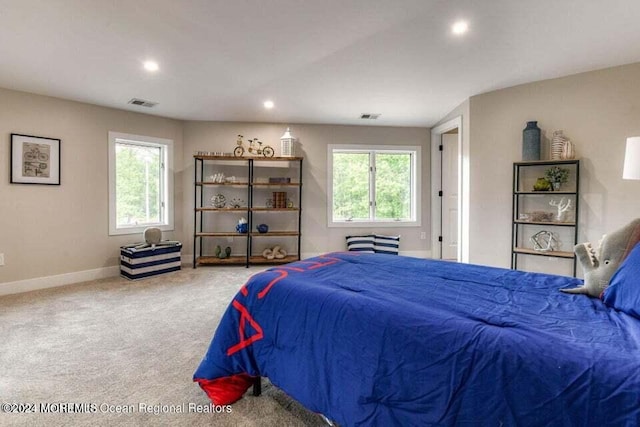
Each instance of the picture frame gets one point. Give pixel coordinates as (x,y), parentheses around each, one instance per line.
(35,160)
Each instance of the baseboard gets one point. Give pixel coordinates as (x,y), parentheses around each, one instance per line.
(37,283)
(188,258)
(413,254)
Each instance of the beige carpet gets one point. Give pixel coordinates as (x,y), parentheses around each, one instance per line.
(121,343)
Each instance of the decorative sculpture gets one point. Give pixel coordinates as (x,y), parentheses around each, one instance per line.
(152,239)
(563,206)
(259,150)
(218,178)
(236,203)
(277,252)
(544,241)
(242,226)
(599,266)
(219,201)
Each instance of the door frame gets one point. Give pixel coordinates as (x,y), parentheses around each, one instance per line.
(463,196)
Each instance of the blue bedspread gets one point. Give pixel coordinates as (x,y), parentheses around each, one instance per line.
(383,340)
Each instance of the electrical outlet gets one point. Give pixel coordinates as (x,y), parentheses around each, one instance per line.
(423,235)
(1,259)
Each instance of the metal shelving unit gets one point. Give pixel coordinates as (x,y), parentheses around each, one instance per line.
(207,228)
(523,195)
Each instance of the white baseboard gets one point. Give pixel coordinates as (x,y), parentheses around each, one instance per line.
(27,285)
(414,254)
(188,258)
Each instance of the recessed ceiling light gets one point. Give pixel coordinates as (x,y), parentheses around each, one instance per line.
(460,28)
(151,66)
(268,105)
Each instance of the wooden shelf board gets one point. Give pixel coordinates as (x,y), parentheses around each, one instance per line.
(547,162)
(246,158)
(212,260)
(236,184)
(557,254)
(203,209)
(261,260)
(547,193)
(232,158)
(221,234)
(274,209)
(275,159)
(560,224)
(275,234)
(273,184)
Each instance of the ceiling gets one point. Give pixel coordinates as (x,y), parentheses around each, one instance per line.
(324,61)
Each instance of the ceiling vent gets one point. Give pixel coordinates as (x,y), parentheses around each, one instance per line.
(142,102)
(369,116)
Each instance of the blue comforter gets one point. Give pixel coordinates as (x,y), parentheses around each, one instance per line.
(383,340)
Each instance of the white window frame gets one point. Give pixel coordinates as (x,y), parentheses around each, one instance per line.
(416,155)
(167,206)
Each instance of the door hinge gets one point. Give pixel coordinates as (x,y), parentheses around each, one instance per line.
(440,193)
(439,238)
(440,147)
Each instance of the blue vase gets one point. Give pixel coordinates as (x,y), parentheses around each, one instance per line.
(531,142)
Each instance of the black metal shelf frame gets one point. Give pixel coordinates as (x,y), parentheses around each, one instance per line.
(518,193)
(198,223)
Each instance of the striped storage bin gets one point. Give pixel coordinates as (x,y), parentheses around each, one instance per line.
(146,262)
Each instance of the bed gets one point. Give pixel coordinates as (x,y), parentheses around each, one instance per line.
(382,340)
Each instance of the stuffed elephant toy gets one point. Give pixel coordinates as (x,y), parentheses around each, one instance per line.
(599,266)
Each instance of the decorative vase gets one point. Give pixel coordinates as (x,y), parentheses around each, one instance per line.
(556,186)
(568,151)
(531,142)
(542,185)
(557,145)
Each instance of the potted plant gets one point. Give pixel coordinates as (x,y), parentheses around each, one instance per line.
(556,176)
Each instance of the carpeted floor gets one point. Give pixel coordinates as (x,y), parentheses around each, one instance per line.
(121,344)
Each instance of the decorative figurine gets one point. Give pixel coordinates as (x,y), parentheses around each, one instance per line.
(242,226)
(236,203)
(277,252)
(544,241)
(542,184)
(219,201)
(266,151)
(217,178)
(563,207)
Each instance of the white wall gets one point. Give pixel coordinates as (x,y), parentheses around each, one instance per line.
(54,235)
(597,111)
(55,230)
(313,140)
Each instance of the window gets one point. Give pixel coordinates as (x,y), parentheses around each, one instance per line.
(373,187)
(140,183)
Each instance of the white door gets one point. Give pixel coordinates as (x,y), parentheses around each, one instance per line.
(450,196)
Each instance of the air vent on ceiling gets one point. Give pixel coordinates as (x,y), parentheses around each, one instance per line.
(142,102)
(369,116)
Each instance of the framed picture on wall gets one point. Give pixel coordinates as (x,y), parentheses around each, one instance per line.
(35,160)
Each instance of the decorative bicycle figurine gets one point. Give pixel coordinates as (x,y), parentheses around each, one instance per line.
(265,151)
